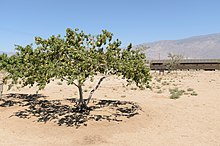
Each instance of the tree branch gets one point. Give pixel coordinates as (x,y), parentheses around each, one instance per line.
(75,84)
(67,81)
(93,90)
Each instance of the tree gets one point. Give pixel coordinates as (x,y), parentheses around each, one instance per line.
(75,58)
(173,61)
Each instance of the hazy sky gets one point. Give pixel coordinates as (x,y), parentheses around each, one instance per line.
(135,21)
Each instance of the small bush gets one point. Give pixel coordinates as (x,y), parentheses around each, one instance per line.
(190,89)
(176,93)
(194,93)
(186,93)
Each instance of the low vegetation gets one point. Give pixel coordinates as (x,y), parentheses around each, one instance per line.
(194,93)
(176,93)
(190,89)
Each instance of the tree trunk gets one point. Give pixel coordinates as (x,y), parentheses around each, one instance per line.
(93,90)
(82,104)
(1,89)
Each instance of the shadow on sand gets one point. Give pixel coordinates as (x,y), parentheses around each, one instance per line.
(36,105)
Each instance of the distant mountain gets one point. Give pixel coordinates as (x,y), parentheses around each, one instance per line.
(204,47)
(8,53)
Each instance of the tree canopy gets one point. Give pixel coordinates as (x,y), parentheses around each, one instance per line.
(75,58)
(174,60)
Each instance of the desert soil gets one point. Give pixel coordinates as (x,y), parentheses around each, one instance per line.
(189,120)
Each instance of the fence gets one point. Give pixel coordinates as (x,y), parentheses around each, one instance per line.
(187,64)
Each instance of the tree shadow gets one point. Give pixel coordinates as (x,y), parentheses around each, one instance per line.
(67,113)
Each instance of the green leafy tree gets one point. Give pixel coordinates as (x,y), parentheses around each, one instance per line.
(173,61)
(74,59)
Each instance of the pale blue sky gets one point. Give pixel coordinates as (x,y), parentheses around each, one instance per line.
(135,21)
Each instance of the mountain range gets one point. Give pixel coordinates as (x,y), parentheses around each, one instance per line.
(196,47)
(8,53)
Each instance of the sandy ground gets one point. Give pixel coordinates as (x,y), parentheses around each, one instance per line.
(188,120)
